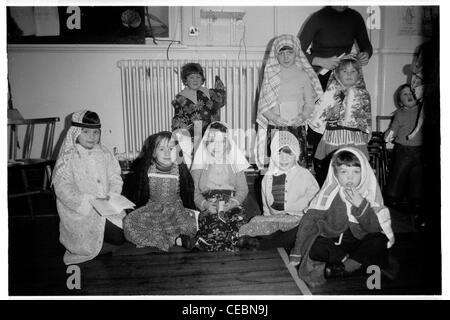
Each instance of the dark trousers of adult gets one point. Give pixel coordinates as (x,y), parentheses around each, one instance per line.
(370,250)
(320,168)
(113,237)
(313,138)
(406,175)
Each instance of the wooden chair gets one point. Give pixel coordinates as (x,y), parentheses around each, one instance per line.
(20,165)
(378,152)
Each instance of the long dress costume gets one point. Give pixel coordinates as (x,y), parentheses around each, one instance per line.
(79,176)
(325,218)
(298,189)
(270,95)
(218,180)
(344,116)
(163,218)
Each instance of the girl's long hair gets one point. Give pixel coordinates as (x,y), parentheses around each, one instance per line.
(136,186)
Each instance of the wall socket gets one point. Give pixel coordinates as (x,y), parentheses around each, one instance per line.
(193,31)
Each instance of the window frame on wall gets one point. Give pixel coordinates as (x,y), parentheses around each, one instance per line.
(174,26)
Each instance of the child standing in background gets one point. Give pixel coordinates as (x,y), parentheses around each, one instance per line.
(286,189)
(406,172)
(195,104)
(343,113)
(221,189)
(289,90)
(85,170)
(165,188)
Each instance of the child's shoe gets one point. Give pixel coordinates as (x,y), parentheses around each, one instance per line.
(247,242)
(334,270)
(391,272)
(294,260)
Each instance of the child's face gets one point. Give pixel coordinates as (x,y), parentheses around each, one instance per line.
(194,81)
(88,138)
(348,75)
(165,152)
(407,98)
(217,143)
(348,176)
(286,57)
(286,159)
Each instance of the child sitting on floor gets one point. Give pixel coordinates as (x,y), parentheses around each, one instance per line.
(346,226)
(286,189)
(195,104)
(162,192)
(406,173)
(221,189)
(85,170)
(343,113)
(289,90)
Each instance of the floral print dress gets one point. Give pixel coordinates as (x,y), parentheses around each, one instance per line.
(206,109)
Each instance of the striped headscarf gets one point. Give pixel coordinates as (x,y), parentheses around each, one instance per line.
(271,82)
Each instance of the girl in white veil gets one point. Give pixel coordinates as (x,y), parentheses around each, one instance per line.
(221,188)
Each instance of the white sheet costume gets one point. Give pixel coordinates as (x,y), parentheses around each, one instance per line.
(80,175)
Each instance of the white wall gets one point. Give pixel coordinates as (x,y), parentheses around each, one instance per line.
(56,80)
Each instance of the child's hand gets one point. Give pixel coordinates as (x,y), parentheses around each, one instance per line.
(389,136)
(298,121)
(281,122)
(211,207)
(352,195)
(230,205)
(106,198)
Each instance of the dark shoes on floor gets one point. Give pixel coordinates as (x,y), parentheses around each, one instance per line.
(187,242)
(247,242)
(337,270)
(391,272)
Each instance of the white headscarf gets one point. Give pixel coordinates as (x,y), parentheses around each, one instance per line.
(234,156)
(368,188)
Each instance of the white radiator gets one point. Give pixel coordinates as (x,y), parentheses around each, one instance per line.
(149,86)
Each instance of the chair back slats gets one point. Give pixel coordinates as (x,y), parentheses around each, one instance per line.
(47,147)
(379,119)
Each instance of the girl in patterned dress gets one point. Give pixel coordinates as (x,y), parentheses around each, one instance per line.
(164,191)
(221,189)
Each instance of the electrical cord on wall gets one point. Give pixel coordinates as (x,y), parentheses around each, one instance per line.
(156,40)
(242,41)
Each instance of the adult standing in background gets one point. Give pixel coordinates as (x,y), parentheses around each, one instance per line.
(329,33)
